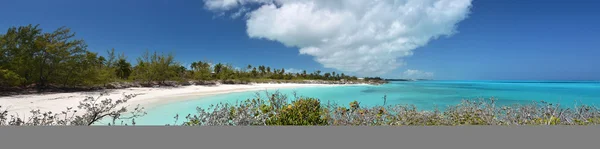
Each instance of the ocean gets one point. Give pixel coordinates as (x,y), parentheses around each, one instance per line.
(426,95)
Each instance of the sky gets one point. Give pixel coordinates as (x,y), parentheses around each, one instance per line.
(435,39)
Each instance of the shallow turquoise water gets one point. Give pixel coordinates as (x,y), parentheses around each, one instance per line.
(424,94)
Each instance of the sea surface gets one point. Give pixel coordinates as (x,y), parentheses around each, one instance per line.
(426,95)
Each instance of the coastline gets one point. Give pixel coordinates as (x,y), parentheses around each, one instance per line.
(147,97)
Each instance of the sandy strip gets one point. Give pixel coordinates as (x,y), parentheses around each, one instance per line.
(146,97)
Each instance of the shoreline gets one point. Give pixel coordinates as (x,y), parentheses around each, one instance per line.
(53,89)
(147,97)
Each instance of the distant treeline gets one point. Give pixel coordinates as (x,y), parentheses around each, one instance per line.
(30,58)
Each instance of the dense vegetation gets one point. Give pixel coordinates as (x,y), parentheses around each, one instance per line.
(31,58)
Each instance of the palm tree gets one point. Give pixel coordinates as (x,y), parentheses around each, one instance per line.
(194,65)
(123,69)
(218,68)
(261,69)
(254,72)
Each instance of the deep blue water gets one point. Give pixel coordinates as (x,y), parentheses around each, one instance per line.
(424,94)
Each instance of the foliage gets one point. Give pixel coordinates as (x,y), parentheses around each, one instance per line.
(43,58)
(201,70)
(30,57)
(155,67)
(305,111)
(275,110)
(123,69)
(9,78)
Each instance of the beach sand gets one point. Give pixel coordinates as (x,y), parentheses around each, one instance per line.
(21,105)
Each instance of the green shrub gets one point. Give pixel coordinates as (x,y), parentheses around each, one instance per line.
(9,78)
(305,111)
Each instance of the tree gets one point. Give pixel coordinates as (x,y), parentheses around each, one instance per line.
(254,72)
(107,69)
(333,75)
(327,75)
(156,67)
(44,58)
(262,70)
(218,68)
(31,57)
(123,69)
(18,49)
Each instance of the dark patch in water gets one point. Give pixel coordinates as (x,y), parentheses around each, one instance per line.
(487,88)
(369,91)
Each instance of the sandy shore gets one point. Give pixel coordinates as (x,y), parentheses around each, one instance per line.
(146,97)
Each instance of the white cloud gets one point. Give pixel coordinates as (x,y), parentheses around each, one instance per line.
(220,4)
(367,37)
(240,12)
(223,5)
(416,74)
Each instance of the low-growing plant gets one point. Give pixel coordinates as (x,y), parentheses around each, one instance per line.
(304,111)
(275,110)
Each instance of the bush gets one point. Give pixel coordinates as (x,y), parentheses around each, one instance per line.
(9,78)
(305,111)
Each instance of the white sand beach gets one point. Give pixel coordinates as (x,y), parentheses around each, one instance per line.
(146,97)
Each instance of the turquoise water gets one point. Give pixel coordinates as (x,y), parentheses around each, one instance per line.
(424,94)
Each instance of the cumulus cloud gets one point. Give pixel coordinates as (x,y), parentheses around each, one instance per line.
(220,4)
(367,37)
(239,13)
(417,74)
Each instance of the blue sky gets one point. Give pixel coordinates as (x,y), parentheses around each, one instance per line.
(500,39)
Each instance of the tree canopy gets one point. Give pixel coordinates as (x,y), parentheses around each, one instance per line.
(30,57)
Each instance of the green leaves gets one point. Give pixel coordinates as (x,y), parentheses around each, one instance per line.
(156,67)
(31,57)
(10,78)
(304,111)
(123,69)
(43,58)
